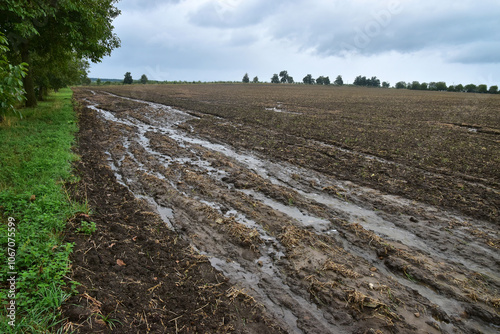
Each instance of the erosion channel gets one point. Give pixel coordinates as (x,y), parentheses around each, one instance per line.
(322,255)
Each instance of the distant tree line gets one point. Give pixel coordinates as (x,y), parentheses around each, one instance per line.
(441,86)
(284,77)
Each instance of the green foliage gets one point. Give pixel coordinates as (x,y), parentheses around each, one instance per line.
(255,80)
(245,79)
(482,89)
(400,85)
(470,88)
(441,86)
(11,84)
(144,79)
(35,159)
(49,35)
(493,90)
(285,78)
(127,80)
(364,81)
(308,80)
(275,78)
(87,228)
(385,84)
(415,85)
(321,80)
(338,81)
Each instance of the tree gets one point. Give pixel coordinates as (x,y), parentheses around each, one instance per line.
(441,86)
(289,80)
(385,84)
(482,89)
(275,78)
(320,80)
(451,88)
(470,88)
(308,80)
(58,29)
(245,79)
(127,80)
(284,76)
(326,80)
(459,88)
(425,86)
(360,81)
(374,82)
(255,80)
(400,85)
(11,85)
(144,79)
(98,82)
(338,81)
(493,90)
(47,74)
(415,85)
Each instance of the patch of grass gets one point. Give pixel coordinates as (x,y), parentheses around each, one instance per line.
(35,160)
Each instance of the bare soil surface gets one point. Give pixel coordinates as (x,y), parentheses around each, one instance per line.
(202,230)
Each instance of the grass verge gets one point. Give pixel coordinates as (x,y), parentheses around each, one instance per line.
(35,162)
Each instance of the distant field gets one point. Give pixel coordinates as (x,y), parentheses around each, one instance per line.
(438,147)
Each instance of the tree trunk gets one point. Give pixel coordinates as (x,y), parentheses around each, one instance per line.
(28,83)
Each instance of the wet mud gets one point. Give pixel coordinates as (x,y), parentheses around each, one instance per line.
(318,253)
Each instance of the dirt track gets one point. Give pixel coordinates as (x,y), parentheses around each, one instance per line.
(321,255)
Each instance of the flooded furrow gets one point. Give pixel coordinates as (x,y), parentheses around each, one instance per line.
(141,147)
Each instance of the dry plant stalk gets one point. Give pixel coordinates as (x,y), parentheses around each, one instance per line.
(233,293)
(339,268)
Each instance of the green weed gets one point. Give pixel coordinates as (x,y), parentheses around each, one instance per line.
(86,228)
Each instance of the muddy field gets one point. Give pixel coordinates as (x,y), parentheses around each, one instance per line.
(322,210)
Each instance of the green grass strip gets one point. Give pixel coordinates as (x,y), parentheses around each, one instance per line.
(35,162)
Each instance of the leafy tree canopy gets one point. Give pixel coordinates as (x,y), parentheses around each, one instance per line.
(62,30)
(400,85)
(246,79)
(308,80)
(127,80)
(144,79)
(11,85)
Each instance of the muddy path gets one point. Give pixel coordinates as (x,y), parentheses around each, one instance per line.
(320,255)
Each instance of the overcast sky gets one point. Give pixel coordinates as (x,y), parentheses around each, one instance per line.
(455,41)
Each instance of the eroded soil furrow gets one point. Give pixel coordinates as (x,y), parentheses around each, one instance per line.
(326,256)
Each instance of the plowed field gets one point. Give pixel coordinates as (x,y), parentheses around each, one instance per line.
(289,208)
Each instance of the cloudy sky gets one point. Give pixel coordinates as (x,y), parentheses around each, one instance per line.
(457,41)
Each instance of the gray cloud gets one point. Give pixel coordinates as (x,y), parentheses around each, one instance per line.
(234,13)
(223,37)
(405,27)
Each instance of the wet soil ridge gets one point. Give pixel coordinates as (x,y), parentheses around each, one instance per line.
(320,254)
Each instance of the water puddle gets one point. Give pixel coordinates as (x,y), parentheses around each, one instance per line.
(166,214)
(319,225)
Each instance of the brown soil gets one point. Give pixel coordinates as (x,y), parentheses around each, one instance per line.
(136,275)
(296,247)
